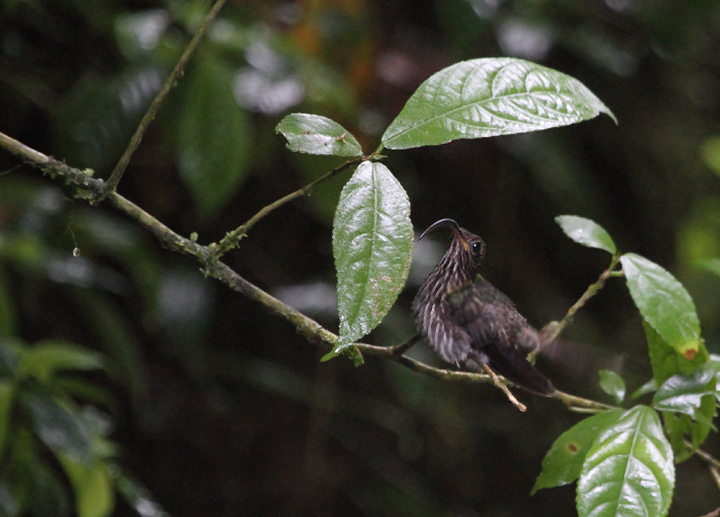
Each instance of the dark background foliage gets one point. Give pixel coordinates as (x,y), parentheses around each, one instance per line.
(221,408)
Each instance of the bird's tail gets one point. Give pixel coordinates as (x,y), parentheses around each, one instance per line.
(511,364)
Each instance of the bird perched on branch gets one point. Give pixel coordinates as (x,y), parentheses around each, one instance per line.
(468,321)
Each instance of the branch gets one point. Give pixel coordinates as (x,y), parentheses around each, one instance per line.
(117,173)
(234,237)
(307,327)
(552,330)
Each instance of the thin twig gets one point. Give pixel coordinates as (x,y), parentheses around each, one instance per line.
(706,457)
(552,330)
(716,477)
(504,388)
(117,173)
(715,512)
(397,350)
(234,237)
(580,404)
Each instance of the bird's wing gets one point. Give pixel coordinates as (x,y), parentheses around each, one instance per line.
(496,328)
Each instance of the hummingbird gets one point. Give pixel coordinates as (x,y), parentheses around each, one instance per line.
(468,321)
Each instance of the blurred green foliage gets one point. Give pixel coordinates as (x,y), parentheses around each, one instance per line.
(220,407)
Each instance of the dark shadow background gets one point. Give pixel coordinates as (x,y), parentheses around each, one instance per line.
(221,407)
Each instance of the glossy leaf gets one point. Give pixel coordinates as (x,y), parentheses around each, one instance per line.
(612,384)
(314,134)
(683,393)
(586,232)
(63,431)
(563,462)
(694,397)
(489,97)
(93,487)
(666,361)
(686,434)
(215,140)
(664,304)
(372,245)
(629,469)
(46,358)
(646,388)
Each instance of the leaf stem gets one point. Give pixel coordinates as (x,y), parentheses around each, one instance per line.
(234,237)
(117,173)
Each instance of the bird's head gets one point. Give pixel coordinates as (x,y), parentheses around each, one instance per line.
(466,252)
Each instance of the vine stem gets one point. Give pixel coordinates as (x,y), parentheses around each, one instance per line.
(117,173)
(234,237)
(552,330)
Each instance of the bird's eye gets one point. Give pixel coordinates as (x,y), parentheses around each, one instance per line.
(476,248)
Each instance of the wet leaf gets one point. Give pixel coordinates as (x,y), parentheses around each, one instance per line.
(629,469)
(586,232)
(686,434)
(693,396)
(563,462)
(683,393)
(666,361)
(612,384)
(372,244)
(646,388)
(664,304)
(489,97)
(314,134)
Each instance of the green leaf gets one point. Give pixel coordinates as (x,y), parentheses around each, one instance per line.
(646,388)
(666,361)
(586,232)
(563,462)
(694,396)
(372,245)
(92,485)
(314,134)
(612,384)
(489,97)
(46,358)
(680,426)
(61,429)
(683,393)
(215,140)
(7,398)
(712,265)
(664,304)
(629,469)
(710,150)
